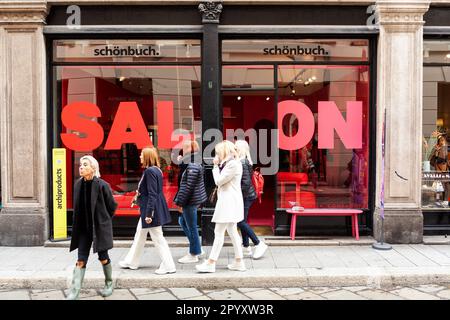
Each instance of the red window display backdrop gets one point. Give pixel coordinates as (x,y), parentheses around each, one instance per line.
(107,87)
(322,178)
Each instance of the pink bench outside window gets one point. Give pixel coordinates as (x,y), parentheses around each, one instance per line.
(329,213)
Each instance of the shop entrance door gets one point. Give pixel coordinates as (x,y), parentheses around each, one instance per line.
(248,103)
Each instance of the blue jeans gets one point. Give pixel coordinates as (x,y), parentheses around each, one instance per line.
(188,221)
(246,231)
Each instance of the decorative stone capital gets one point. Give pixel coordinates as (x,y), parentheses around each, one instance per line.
(23,11)
(210,11)
(401,16)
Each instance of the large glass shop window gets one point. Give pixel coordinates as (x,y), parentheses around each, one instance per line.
(322,109)
(112,112)
(331,169)
(436,124)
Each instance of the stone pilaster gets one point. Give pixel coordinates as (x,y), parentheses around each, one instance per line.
(23,135)
(399,92)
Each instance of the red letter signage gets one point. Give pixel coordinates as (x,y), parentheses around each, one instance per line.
(305,120)
(74,117)
(330,118)
(128,116)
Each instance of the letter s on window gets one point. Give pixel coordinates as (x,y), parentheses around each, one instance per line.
(72,120)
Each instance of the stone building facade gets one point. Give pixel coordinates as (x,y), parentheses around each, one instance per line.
(25,216)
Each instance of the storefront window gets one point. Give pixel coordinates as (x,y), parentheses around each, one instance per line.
(128,99)
(324,174)
(436,124)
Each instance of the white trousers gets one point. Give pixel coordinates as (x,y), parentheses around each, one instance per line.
(219,237)
(134,255)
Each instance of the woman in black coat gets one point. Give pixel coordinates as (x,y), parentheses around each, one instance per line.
(154,214)
(93,209)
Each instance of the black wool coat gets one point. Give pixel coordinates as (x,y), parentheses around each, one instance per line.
(103,207)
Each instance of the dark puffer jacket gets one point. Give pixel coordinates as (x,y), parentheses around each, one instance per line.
(248,191)
(192,187)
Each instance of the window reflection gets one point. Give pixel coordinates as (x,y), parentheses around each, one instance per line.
(318,178)
(435,139)
(107,87)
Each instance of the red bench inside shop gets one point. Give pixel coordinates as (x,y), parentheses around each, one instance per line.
(317,212)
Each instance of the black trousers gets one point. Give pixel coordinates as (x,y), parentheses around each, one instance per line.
(84,247)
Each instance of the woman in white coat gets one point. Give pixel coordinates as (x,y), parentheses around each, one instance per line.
(229,208)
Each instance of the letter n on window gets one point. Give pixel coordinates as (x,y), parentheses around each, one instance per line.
(349,130)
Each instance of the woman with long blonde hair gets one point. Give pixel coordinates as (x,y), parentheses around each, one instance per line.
(154,214)
(229,210)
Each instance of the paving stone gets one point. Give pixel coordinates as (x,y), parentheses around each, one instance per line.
(121,294)
(264,295)
(183,293)
(157,296)
(47,295)
(86,293)
(305,296)
(199,298)
(445,294)
(429,288)
(287,291)
(413,294)
(244,290)
(97,297)
(141,291)
(375,294)
(15,295)
(354,288)
(228,294)
(320,290)
(341,295)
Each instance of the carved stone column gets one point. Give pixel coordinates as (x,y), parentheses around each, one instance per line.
(399,82)
(23,135)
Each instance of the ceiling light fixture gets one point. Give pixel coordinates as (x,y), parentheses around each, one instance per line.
(267,98)
(448,55)
(121,79)
(239,98)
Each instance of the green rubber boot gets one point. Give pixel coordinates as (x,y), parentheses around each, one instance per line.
(77,281)
(108,289)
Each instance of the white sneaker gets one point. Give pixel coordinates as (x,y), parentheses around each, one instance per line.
(189,258)
(247,251)
(260,249)
(201,254)
(237,266)
(162,270)
(126,265)
(206,267)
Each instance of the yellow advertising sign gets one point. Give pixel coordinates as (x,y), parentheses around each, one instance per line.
(59,194)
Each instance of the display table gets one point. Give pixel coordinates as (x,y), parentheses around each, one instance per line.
(326,212)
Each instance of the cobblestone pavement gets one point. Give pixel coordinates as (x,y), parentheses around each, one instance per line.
(422,292)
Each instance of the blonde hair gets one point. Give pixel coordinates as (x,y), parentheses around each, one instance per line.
(193,145)
(150,157)
(243,150)
(94,164)
(225,149)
